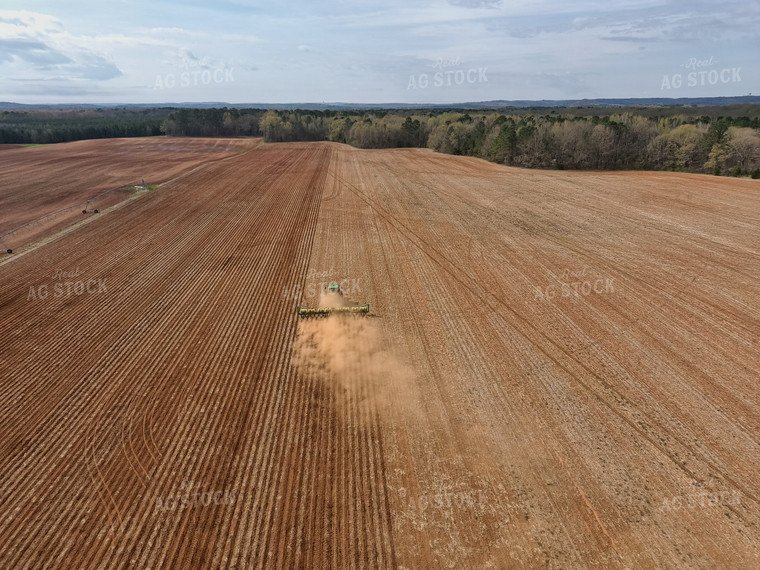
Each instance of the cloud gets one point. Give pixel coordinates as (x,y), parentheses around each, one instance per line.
(30,51)
(284,53)
(30,22)
(36,46)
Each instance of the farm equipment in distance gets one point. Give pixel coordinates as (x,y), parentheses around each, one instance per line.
(338,308)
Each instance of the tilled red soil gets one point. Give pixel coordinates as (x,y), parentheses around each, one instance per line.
(559,369)
(44,188)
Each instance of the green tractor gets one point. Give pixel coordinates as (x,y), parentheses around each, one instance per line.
(342,309)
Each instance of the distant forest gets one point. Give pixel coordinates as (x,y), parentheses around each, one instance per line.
(55,125)
(714,140)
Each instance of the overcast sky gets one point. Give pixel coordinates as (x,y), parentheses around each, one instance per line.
(370,51)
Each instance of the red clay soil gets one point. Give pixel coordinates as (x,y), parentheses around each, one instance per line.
(485,415)
(41,181)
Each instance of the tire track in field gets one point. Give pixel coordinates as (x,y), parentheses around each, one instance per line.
(396,221)
(30,310)
(269,470)
(446,265)
(730,400)
(177,545)
(440,189)
(273,298)
(431,287)
(276,539)
(344,444)
(40,364)
(271,398)
(178,447)
(191,427)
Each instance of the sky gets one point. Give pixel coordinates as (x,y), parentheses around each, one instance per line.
(369,51)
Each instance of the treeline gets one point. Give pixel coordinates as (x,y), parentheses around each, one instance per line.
(55,126)
(614,142)
(373,129)
(213,123)
(618,141)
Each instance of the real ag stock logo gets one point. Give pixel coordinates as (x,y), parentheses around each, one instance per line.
(192,495)
(194,71)
(574,284)
(447,76)
(704,499)
(446,498)
(699,76)
(70,287)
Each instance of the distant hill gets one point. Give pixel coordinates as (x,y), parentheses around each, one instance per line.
(496,104)
(629,102)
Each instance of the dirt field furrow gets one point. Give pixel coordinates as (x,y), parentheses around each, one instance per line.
(559,369)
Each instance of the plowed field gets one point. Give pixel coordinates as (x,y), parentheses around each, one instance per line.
(558,370)
(46,188)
